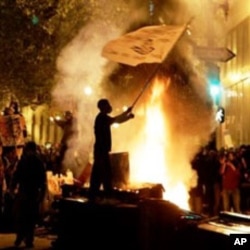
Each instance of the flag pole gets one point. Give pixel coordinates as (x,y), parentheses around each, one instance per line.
(150,78)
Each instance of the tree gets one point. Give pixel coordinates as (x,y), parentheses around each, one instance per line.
(32,34)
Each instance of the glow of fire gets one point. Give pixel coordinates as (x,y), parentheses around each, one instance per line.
(177,194)
(150,157)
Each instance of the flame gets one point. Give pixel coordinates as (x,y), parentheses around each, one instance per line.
(150,157)
(178,194)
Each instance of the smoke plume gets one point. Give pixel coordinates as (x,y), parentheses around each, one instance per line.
(187,105)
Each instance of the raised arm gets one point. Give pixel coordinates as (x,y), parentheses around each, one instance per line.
(123,117)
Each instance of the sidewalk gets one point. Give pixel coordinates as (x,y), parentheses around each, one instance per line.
(42,241)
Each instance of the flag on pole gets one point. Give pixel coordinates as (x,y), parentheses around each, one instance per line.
(149,44)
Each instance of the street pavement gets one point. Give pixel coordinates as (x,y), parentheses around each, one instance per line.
(43,240)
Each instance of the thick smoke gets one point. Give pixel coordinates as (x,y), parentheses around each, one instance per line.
(83,74)
(187,105)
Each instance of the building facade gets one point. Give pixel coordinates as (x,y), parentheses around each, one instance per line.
(235,78)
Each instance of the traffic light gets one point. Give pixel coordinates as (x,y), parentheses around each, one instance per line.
(220,115)
(213,77)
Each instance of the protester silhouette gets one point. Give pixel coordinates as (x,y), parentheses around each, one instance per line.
(68,125)
(101,170)
(29,187)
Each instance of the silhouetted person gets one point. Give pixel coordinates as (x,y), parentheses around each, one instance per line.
(28,186)
(101,170)
(68,125)
(197,191)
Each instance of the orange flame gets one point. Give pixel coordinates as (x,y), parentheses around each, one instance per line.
(150,159)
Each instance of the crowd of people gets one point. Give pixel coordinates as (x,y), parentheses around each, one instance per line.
(223,179)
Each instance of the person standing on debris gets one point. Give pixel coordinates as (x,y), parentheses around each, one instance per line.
(28,187)
(101,170)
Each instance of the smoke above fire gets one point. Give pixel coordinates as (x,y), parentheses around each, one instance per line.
(173,118)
